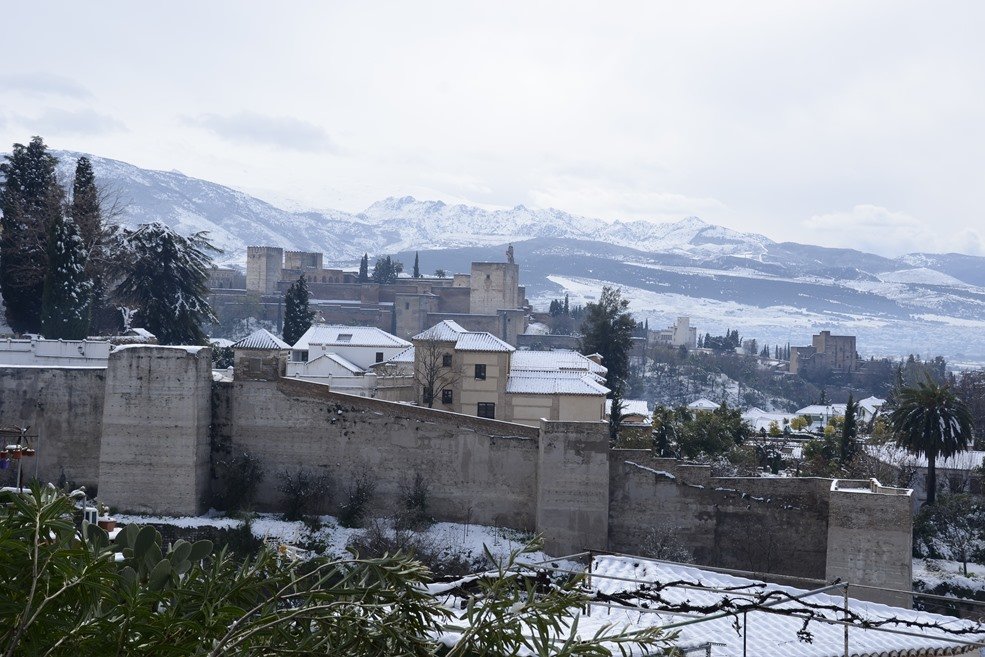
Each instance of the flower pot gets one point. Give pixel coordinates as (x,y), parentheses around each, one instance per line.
(108,524)
(15,453)
(3,454)
(29,451)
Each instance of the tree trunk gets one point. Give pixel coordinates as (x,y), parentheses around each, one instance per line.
(931,479)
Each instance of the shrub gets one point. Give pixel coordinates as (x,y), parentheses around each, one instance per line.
(381,538)
(239,476)
(415,501)
(352,512)
(302,490)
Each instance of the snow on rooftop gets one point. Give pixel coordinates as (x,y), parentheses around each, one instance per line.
(444,331)
(339,360)
(559,359)
(529,382)
(829,410)
(350,336)
(479,341)
(767,634)
(630,407)
(703,404)
(261,339)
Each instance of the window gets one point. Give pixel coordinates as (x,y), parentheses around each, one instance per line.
(446,360)
(406,305)
(486,409)
(446,396)
(344,337)
(480,372)
(256,365)
(379,356)
(299,355)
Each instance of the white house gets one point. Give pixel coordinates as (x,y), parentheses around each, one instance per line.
(634,411)
(820,414)
(703,405)
(362,346)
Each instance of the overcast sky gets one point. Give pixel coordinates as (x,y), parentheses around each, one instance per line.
(838,123)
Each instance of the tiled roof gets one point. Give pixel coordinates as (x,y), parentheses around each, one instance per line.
(476,341)
(560,359)
(769,634)
(261,339)
(444,331)
(554,383)
(349,336)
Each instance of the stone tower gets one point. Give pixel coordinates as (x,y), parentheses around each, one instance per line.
(263,265)
(495,286)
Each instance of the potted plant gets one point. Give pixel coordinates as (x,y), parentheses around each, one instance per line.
(105,521)
(29,451)
(15,452)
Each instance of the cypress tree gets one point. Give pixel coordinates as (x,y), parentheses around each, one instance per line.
(849,430)
(567,307)
(417,265)
(30,199)
(297,317)
(364,269)
(67,289)
(608,330)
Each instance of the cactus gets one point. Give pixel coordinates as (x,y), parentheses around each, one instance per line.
(147,564)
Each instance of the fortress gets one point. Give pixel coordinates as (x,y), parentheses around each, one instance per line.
(489,298)
(147,428)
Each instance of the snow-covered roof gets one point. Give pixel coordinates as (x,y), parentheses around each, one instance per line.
(349,336)
(444,331)
(342,362)
(554,383)
(703,405)
(872,404)
(261,339)
(405,356)
(559,359)
(767,634)
(831,410)
(537,328)
(220,342)
(140,333)
(630,407)
(479,341)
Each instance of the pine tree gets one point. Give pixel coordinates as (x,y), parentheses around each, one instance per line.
(86,211)
(165,277)
(417,265)
(297,317)
(364,269)
(67,289)
(30,200)
(849,430)
(386,270)
(567,307)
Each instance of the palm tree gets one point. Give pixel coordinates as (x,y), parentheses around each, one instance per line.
(932,421)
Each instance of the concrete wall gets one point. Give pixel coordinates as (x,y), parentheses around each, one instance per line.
(154,452)
(480,471)
(64,407)
(572,486)
(869,527)
(494,286)
(263,265)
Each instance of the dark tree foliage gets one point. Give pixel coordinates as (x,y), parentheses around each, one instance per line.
(364,269)
(608,330)
(96,233)
(85,208)
(930,420)
(164,276)
(664,431)
(849,430)
(386,270)
(417,265)
(615,415)
(31,200)
(710,433)
(970,387)
(297,316)
(67,289)
(727,342)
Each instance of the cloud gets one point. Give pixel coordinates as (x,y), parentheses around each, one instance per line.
(276,131)
(44,84)
(71,122)
(879,230)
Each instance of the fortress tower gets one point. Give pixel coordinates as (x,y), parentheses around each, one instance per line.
(263,265)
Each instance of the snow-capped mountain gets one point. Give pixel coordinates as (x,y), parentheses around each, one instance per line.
(775,291)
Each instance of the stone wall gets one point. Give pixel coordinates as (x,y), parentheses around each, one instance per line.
(480,471)
(154,452)
(64,407)
(762,525)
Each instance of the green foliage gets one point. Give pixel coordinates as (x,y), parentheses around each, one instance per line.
(664,431)
(615,415)
(164,275)
(710,434)
(65,306)
(931,420)
(386,270)
(417,266)
(303,492)
(415,501)
(66,597)
(30,201)
(608,330)
(953,528)
(297,317)
(440,273)
(222,357)
(364,269)
(849,431)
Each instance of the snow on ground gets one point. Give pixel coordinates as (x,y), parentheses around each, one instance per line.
(935,572)
(467,540)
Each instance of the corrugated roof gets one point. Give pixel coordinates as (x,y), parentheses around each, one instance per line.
(559,359)
(350,336)
(476,341)
(444,331)
(554,383)
(261,339)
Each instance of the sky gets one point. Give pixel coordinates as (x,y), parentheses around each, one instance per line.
(850,124)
